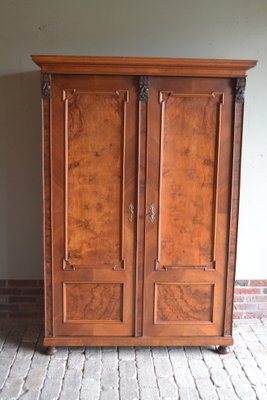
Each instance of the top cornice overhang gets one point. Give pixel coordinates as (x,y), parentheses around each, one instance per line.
(143,66)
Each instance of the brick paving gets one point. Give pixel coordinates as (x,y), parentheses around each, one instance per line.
(132,373)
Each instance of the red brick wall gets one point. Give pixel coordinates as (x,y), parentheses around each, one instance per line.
(21,298)
(250,299)
(25,298)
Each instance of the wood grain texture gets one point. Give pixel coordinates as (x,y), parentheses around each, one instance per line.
(143,66)
(233,220)
(140,233)
(190,129)
(171,150)
(198,187)
(176,303)
(46,177)
(93,302)
(96,178)
(94,182)
(200,340)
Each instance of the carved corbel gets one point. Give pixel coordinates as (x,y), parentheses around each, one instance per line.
(240,90)
(45,85)
(143,88)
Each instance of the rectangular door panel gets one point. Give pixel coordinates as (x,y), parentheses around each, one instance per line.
(187,201)
(94,144)
(189,137)
(183,303)
(93,302)
(95,177)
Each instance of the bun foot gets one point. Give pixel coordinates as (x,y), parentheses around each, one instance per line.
(50,350)
(223,349)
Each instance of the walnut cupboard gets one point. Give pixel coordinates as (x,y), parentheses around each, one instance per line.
(141,166)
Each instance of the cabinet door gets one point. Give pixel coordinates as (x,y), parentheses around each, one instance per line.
(93,164)
(187,205)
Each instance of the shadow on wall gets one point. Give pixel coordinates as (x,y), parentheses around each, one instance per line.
(20,177)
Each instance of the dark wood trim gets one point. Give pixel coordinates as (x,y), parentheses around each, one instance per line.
(223,349)
(46,174)
(51,350)
(137,325)
(143,88)
(140,217)
(142,66)
(240,90)
(233,228)
(45,85)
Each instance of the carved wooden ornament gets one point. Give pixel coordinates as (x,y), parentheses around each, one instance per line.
(240,90)
(45,85)
(143,88)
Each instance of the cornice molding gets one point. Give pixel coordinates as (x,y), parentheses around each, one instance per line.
(143,66)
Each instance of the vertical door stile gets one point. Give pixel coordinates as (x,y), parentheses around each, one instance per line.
(123,187)
(65,99)
(46,86)
(216,180)
(162,102)
(140,217)
(137,257)
(240,86)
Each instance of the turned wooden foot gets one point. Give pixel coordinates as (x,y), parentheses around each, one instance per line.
(50,350)
(223,349)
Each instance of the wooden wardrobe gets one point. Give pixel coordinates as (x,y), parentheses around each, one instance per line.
(141,166)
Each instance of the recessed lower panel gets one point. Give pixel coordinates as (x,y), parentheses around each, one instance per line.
(93,302)
(180,303)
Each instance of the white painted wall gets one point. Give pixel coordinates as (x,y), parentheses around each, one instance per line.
(172,28)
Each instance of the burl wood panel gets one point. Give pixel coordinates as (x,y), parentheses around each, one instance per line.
(175,302)
(92,302)
(95,159)
(189,138)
